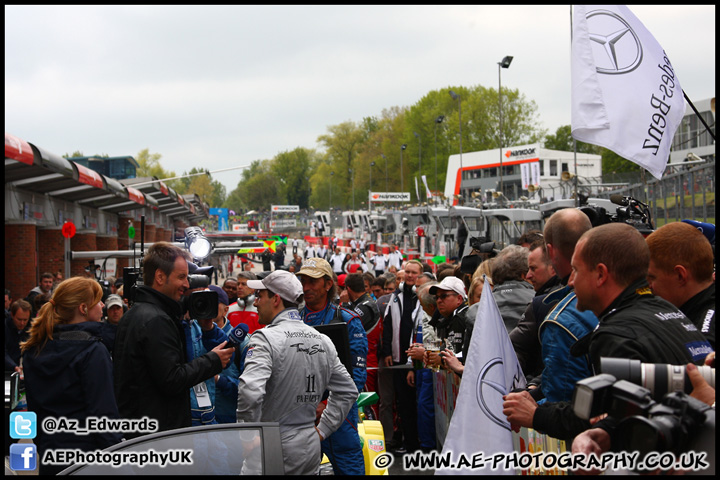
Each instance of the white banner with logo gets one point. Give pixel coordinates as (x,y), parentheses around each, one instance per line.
(525,175)
(625,94)
(535,173)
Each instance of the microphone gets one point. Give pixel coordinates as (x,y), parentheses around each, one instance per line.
(618,199)
(238,334)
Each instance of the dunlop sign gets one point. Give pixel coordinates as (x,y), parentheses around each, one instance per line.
(389,196)
(285,208)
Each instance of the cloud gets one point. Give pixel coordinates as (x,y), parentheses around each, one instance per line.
(220,86)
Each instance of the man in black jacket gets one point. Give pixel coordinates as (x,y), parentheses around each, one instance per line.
(152,375)
(681,272)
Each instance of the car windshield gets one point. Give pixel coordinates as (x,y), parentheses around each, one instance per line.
(230,449)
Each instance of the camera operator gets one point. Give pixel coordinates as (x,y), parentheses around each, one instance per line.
(153,377)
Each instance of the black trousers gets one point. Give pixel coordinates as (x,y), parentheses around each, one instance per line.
(406,409)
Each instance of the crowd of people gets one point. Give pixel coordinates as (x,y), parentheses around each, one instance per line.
(568,296)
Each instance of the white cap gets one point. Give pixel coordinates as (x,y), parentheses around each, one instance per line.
(280,282)
(113,300)
(450,283)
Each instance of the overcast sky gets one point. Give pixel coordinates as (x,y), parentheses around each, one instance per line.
(221,86)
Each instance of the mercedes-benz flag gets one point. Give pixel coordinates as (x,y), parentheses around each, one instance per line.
(625,93)
(478,425)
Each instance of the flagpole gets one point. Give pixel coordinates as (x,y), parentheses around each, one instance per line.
(575,179)
(687,99)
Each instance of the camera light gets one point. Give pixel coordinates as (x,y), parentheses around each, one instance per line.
(196,243)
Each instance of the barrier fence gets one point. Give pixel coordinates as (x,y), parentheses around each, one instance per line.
(687,193)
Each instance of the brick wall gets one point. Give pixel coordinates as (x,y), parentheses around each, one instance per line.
(52,250)
(20,263)
(83,241)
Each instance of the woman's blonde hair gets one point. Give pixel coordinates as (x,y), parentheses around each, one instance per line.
(485,268)
(68,295)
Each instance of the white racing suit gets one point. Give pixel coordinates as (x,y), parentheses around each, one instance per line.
(288,367)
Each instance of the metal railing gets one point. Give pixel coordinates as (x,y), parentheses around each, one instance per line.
(689,193)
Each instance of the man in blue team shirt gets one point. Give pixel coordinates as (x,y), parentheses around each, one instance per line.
(343,447)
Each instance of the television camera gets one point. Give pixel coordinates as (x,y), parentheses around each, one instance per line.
(202,305)
(629,210)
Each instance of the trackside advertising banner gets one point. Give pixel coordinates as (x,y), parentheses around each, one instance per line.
(389,196)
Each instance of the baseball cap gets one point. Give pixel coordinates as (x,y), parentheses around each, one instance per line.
(341,280)
(113,300)
(222,296)
(280,282)
(707,229)
(316,268)
(450,283)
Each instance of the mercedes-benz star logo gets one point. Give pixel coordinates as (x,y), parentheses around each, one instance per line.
(618,49)
(490,390)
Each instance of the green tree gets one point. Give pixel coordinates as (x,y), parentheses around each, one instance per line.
(149,166)
(342,144)
(292,170)
(611,161)
(562,140)
(258,187)
(614,163)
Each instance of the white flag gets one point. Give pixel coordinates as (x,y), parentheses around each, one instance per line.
(524,175)
(625,94)
(491,371)
(417,192)
(427,190)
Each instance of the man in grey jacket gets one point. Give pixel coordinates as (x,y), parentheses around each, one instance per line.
(288,367)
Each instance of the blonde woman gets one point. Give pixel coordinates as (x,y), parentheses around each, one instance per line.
(68,370)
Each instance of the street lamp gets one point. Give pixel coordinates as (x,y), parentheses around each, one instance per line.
(330,193)
(457,97)
(386,171)
(417,135)
(438,121)
(372,164)
(505,63)
(402,181)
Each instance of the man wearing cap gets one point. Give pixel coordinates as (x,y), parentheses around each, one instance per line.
(452,305)
(201,336)
(343,447)
(115,308)
(227,381)
(289,366)
(362,303)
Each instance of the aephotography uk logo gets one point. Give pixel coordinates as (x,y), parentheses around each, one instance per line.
(617,48)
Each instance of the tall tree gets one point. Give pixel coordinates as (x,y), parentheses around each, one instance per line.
(342,144)
(562,140)
(292,170)
(149,166)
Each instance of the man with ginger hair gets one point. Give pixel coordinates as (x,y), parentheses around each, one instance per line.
(681,272)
